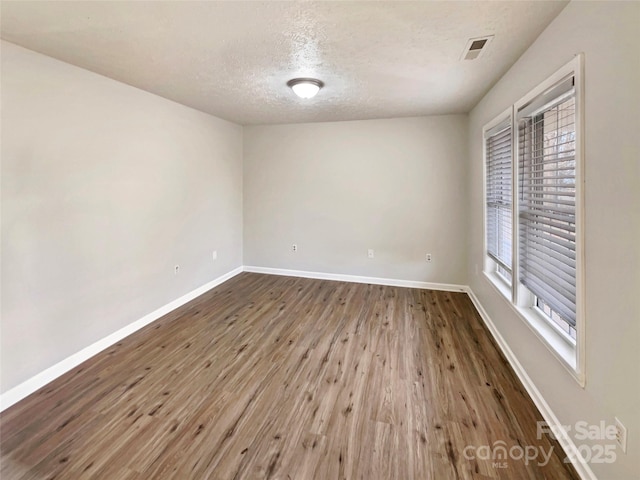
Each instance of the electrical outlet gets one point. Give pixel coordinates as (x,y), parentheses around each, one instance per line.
(215,255)
(621,435)
(428,257)
(294,248)
(370,253)
(176,269)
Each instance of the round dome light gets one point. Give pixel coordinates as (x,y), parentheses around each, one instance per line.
(305,87)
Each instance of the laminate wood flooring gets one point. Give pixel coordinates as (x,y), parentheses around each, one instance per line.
(270,377)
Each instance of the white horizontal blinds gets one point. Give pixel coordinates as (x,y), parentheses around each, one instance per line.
(547,198)
(499,195)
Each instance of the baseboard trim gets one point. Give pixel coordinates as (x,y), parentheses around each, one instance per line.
(38,381)
(357,279)
(565,441)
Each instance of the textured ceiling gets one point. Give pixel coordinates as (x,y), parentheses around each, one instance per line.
(232,59)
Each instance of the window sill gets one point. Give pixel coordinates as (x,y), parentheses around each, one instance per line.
(556,343)
(500,284)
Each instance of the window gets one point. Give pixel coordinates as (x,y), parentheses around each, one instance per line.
(547,203)
(498,198)
(533,211)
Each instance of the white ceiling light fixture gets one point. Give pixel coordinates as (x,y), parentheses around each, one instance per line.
(305,87)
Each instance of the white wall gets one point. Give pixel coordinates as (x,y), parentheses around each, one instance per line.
(608,33)
(337,189)
(104,188)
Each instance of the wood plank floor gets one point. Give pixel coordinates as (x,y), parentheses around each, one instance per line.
(286,378)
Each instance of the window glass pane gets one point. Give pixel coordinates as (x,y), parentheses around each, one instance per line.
(499,199)
(547,208)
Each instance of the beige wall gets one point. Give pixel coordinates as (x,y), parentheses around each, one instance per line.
(607,33)
(337,189)
(104,188)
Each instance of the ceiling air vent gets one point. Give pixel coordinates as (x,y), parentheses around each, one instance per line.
(476,47)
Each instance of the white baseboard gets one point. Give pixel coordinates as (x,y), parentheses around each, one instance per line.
(357,279)
(565,441)
(38,381)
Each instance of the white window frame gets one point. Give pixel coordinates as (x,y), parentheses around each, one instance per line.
(490,267)
(570,354)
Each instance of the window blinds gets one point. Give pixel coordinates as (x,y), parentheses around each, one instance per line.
(498,195)
(547,199)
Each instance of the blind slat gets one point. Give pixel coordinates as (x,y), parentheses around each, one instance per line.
(552,248)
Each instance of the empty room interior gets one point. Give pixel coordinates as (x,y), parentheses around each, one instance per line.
(320,240)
